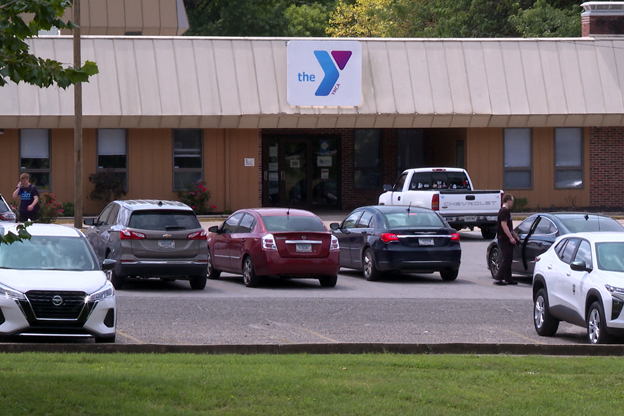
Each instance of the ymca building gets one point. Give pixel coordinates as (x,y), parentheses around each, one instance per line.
(323,123)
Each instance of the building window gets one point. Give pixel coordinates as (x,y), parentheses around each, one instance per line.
(367,159)
(35,156)
(410,149)
(460,150)
(518,159)
(568,158)
(112,153)
(187,158)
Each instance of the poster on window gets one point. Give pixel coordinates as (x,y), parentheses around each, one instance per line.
(323,161)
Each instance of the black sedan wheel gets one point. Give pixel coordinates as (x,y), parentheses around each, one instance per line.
(449,274)
(370,270)
(494,261)
(213,273)
(597,325)
(545,324)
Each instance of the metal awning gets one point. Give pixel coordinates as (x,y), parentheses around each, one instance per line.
(197,82)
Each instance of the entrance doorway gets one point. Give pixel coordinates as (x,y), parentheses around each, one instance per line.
(301,171)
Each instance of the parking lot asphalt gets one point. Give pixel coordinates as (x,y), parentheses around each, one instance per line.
(323,348)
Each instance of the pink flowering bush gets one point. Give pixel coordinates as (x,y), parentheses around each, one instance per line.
(49,209)
(197,196)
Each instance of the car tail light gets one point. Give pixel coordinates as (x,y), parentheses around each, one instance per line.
(389,237)
(334,246)
(435,202)
(455,237)
(268,243)
(537,259)
(198,235)
(131,235)
(7,216)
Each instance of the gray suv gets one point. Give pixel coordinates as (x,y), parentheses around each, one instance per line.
(150,238)
(6,215)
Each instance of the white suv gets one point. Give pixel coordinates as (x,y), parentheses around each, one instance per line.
(580,279)
(52,285)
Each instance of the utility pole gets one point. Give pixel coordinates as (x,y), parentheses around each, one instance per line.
(77,122)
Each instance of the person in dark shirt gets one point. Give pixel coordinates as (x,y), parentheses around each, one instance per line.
(507,239)
(29,199)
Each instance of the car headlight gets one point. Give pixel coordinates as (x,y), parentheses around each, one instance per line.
(9,293)
(613,289)
(102,293)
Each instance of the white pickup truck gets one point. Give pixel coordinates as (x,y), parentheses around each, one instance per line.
(450,192)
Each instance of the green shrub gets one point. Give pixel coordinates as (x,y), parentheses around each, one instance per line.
(520,204)
(68,209)
(107,184)
(196,196)
(49,209)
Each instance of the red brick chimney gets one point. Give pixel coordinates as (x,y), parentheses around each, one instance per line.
(602,18)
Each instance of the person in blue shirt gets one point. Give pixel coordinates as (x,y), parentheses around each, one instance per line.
(29,199)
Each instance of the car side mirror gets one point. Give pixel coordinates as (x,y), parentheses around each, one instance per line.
(387,188)
(334,225)
(214,229)
(580,266)
(109,264)
(89,221)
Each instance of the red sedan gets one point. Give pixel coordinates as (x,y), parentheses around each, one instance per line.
(279,242)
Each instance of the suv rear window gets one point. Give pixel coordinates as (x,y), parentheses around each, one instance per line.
(164,220)
(292,223)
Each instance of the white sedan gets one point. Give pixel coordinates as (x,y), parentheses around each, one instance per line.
(580,279)
(52,285)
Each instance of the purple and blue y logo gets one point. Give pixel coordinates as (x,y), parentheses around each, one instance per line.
(330,70)
(339,84)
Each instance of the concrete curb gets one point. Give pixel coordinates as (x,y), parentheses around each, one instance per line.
(342,348)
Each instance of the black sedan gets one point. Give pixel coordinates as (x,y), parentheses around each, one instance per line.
(382,238)
(539,231)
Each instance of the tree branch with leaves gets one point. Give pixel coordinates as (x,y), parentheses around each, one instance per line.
(17,64)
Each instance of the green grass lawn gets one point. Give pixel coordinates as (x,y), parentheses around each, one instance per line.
(384,384)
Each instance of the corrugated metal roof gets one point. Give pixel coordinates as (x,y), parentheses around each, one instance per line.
(192,82)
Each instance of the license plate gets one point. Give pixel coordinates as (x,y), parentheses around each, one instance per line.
(166,244)
(304,248)
(425,241)
(470,219)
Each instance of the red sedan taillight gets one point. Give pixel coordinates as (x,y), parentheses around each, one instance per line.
(455,237)
(334,246)
(131,235)
(198,235)
(268,243)
(389,237)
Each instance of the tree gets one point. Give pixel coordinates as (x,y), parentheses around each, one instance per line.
(258,17)
(457,18)
(10,237)
(17,64)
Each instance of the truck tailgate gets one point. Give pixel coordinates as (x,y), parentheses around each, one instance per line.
(470,202)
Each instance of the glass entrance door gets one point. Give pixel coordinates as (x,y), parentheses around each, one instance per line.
(301,172)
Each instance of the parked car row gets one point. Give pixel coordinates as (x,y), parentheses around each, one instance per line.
(576,261)
(62,282)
